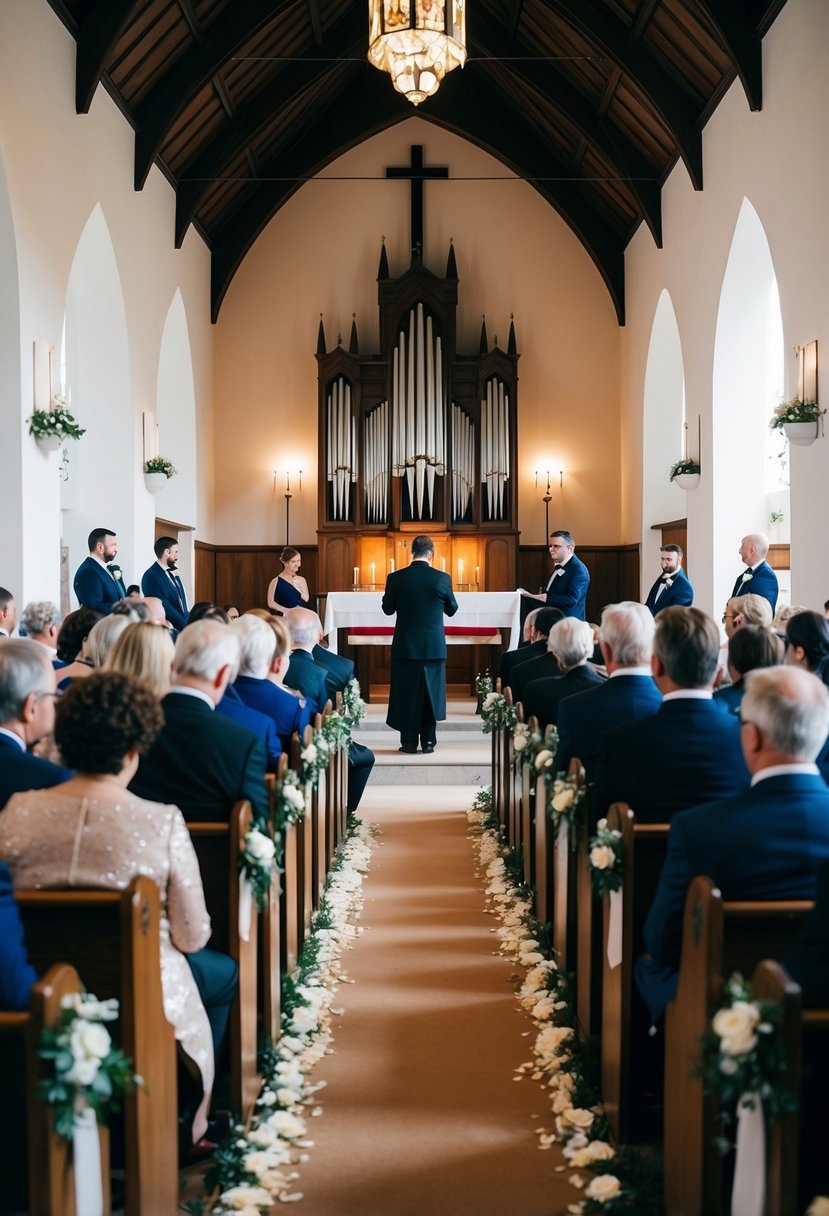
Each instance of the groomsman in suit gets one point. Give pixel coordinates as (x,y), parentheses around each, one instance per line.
(571,642)
(162,580)
(689,750)
(629,693)
(8,613)
(421,596)
(567,585)
(98,581)
(27,713)
(758,578)
(767,842)
(672,586)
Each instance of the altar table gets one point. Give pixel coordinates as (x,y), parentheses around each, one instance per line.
(490,610)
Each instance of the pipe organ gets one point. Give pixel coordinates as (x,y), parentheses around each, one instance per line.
(418,438)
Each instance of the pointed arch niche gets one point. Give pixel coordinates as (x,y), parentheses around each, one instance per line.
(663,433)
(749,481)
(10,397)
(176,418)
(101,486)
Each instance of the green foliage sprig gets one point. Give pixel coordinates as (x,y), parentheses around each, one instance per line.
(160,464)
(57,421)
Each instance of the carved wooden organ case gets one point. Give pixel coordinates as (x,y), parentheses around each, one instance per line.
(417,438)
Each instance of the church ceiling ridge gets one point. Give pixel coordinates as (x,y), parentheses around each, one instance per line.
(591,102)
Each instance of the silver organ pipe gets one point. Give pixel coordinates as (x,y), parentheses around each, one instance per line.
(495,445)
(341,433)
(418,411)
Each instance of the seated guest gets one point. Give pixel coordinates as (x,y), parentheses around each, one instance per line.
(96,647)
(807,643)
(629,693)
(73,633)
(571,641)
(205,611)
(27,714)
(145,653)
(536,646)
(199,760)
(86,834)
(783,615)
(767,842)
(8,613)
(338,670)
(41,622)
(16,972)
(254,645)
(259,683)
(689,750)
(746,610)
(807,961)
(749,648)
(133,592)
(534,665)
(135,610)
(232,612)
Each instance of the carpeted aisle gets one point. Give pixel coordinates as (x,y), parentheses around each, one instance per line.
(421,1112)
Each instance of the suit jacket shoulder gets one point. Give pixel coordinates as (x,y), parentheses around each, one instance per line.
(16,972)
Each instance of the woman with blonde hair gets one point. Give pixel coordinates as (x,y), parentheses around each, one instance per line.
(146,652)
(289,589)
(96,646)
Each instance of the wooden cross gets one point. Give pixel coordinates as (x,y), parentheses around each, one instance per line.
(417,173)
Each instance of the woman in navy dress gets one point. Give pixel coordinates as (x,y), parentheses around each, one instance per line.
(289,589)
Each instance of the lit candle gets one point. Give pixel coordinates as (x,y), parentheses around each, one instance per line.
(460,571)
(391,564)
(373,568)
(477,574)
(356,575)
(443,564)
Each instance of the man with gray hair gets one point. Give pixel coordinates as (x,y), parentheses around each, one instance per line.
(261,666)
(8,613)
(571,641)
(689,750)
(41,622)
(257,647)
(200,761)
(626,642)
(767,842)
(748,609)
(303,673)
(27,714)
(758,578)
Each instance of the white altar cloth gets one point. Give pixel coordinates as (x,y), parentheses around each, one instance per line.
(476,610)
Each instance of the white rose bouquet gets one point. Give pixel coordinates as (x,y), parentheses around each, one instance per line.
(289,804)
(57,422)
(89,1072)
(496,713)
(565,804)
(258,862)
(605,860)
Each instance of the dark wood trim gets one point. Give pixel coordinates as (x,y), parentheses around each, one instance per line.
(671,523)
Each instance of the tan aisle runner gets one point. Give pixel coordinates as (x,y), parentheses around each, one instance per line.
(421,1112)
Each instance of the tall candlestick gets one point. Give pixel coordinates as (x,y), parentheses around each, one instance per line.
(477,575)
(391,566)
(460,571)
(356,575)
(443,564)
(373,568)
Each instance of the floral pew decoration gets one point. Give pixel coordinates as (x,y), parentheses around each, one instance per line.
(333,735)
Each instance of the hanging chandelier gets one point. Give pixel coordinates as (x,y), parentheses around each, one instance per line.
(417,42)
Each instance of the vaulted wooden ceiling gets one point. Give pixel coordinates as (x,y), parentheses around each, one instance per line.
(591,101)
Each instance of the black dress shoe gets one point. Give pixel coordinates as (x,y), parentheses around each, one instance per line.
(409,751)
(428,749)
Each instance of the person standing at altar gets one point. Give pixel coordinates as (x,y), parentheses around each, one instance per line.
(98,582)
(421,596)
(567,585)
(758,578)
(162,581)
(673,585)
(289,589)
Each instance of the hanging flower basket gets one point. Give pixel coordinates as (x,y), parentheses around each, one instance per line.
(798,420)
(155,481)
(801,434)
(685,474)
(687,481)
(157,472)
(49,443)
(50,428)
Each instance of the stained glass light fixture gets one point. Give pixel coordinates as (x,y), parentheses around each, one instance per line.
(417,42)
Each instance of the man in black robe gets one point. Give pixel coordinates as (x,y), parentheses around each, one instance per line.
(421,597)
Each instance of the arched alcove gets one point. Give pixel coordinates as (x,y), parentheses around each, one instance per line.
(176,417)
(101,487)
(663,435)
(747,383)
(11,555)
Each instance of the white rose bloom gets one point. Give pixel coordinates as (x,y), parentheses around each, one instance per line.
(89,1040)
(736,1027)
(260,846)
(544,759)
(563,799)
(291,1127)
(604,1188)
(294,796)
(303,1020)
(819,1206)
(238,1198)
(519,742)
(82,1072)
(309,754)
(490,699)
(575,1117)
(602,857)
(596,1150)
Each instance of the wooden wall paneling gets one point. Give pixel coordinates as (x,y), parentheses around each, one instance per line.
(614,573)
(499,563)
(337,561)
(205,571)
(240,574)
(674,532)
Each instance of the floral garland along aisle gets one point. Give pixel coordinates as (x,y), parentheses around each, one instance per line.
(622,1181)
(256,1166)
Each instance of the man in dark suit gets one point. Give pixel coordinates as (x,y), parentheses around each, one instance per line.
(533,662)
(8,613)
(672,586)
(769,841)
(27,713)
(338,670)
(233,707)
(98,581)
(162,581)
(16,972)
(567,585)
(629,693)
(758,578)
(421,596)
(264,660)
(571,642)
(201,761)
(689,750)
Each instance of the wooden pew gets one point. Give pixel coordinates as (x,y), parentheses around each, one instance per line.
(505,778)
(643,851)
(30,1150)
(319,807)
(588,926)
(528,823)
(270,957)
(717,938)
(514,780)
(497,764)
(112,939)
(291,901)
(219,847)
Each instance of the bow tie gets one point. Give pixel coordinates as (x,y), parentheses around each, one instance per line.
(666,578)
(172,571)
(558,565)
(748,570)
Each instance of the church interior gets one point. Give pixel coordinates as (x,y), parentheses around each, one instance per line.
(596,250)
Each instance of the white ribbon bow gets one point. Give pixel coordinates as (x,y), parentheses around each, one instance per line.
(86,1154)
(614,931)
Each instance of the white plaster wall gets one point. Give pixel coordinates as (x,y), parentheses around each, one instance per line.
(320,254)
(58,167)
(777,159)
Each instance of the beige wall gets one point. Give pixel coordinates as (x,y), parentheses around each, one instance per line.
(320,254)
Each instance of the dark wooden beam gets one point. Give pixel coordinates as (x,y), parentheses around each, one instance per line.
(560,95)
(316,20)
(643,18)
(345,41)
(104,24)
(612,39)
(743,44)
(515,7)
(223,96)
(228,34)
(192,18)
